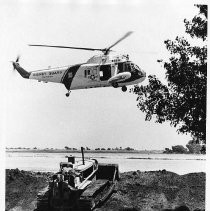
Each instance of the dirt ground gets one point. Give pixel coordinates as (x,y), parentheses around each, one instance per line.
(158,190)
(22,188)
(145,191)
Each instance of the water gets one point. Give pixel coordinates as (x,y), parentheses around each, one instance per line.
(178,163)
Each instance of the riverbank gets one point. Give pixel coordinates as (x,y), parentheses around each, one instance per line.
(86,151)
(147,191)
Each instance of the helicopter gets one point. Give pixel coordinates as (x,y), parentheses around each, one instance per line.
(102,70)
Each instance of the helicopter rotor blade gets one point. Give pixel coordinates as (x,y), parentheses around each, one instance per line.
(122,38)
(104,50)
(58,46)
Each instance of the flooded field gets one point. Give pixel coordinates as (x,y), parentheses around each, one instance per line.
(178,163)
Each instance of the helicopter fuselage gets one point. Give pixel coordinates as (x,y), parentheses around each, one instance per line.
(102,70)
(98,71)
(95,73)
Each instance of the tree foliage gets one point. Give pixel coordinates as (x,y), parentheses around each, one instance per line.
(179,149)
(182,101)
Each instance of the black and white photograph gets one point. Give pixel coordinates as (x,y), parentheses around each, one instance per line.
(104,105)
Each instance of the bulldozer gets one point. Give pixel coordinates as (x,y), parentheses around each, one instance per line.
(80,185)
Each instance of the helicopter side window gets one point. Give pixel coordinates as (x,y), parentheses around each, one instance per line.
(87,73)
(121,67)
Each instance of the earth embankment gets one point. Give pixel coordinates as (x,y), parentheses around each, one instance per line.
(136,190)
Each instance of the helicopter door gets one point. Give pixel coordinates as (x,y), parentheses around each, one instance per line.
(105,72)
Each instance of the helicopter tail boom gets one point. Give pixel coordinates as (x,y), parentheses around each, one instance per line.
(20,70)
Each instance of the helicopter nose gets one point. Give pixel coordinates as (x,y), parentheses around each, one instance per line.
(144,73)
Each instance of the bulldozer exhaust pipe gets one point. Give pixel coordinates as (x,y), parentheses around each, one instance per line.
(83,159)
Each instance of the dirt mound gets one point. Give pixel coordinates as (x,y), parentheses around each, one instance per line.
(158,190)
(22,188)
(147,191)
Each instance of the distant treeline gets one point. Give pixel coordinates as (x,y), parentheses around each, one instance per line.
(73,149)
(97,149)
(191,148)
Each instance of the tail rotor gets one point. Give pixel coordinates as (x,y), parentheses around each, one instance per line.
(17,59)
(16,62)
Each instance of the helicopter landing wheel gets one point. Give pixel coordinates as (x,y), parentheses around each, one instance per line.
(68,93)
(124,88)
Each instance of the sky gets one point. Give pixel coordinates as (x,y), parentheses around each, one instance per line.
(39,115)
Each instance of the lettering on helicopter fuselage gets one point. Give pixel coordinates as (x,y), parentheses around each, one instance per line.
(49,73)
(55,72)
(39,74)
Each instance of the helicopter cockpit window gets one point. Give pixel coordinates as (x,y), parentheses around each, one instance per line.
(121,67)
(134,68)
(128,67)
(137,67)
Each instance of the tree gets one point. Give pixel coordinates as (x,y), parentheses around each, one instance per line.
(179,149)
(168,151)
(182,100)
(203,149)
(129,149)
(194,148)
